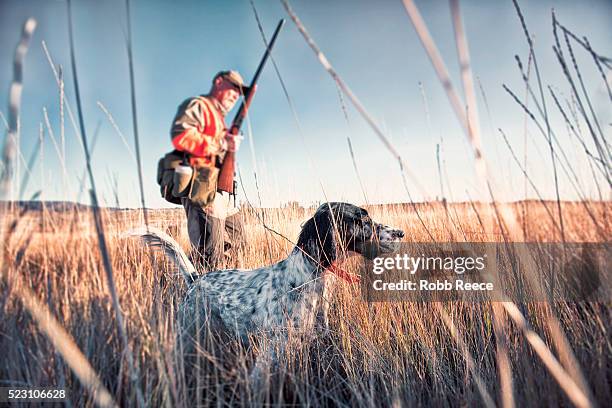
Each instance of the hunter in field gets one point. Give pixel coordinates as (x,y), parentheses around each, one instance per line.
(199,132)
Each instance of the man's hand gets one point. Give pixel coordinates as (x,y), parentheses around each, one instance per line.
(233,142)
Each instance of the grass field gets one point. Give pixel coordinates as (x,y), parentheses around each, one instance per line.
(383,354)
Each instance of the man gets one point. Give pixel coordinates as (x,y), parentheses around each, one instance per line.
(199,130)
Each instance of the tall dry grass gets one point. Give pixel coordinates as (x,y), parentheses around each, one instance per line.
(372,355)
(83,308)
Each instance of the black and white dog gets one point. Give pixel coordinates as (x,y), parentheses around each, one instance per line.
(243,302)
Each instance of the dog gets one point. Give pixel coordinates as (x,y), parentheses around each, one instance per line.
(271,298)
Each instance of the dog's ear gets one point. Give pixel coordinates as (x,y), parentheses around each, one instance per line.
(318,239)
(327,237)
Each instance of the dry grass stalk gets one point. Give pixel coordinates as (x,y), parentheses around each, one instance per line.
(573,391)
(437,62)
(506,213)
(99,224)
(143,205)
(350,147)
(59,81)
(542,102)
(111,120)
(27,165)
(66,346)
(354,100)
(404,171)
(10,149)
(482,389)
(499,322)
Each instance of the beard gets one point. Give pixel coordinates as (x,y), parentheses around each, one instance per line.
(226,107)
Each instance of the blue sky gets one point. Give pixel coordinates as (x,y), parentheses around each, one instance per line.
(179,45)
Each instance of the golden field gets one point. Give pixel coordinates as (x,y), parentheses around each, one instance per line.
(381,354)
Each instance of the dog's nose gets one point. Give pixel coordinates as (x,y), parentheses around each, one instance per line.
(399,233)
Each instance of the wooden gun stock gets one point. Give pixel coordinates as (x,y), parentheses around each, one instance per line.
(228,167)
(226,174)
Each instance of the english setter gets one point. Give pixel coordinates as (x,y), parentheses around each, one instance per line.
(244,302)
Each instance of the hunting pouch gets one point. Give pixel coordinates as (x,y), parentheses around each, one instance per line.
(204,185)
(183,176)
(165,175)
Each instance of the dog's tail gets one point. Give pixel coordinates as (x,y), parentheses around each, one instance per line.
(158,239)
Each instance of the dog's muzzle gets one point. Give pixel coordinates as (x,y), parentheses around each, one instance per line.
(385,233)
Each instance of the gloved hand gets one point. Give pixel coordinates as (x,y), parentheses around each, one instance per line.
(233,142)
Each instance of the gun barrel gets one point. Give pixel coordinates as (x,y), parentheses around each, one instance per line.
(226,174)
(244,106)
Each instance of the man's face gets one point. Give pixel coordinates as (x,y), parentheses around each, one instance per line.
(226,93)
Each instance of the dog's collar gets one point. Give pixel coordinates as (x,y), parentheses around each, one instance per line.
(341,273)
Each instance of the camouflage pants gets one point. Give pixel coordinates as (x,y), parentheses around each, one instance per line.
(214,240)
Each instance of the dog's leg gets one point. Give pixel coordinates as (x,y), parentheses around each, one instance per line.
(266,364)
(328,290)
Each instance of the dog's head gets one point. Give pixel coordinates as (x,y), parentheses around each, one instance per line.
(346,226)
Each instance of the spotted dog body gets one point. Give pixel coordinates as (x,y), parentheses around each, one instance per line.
(243,302)
(256,300)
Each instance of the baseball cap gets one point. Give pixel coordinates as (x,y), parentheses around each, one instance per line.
(234,77)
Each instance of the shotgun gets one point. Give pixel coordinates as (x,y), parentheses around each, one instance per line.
(226,174)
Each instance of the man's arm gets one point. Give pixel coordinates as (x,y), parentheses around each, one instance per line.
(191,128)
